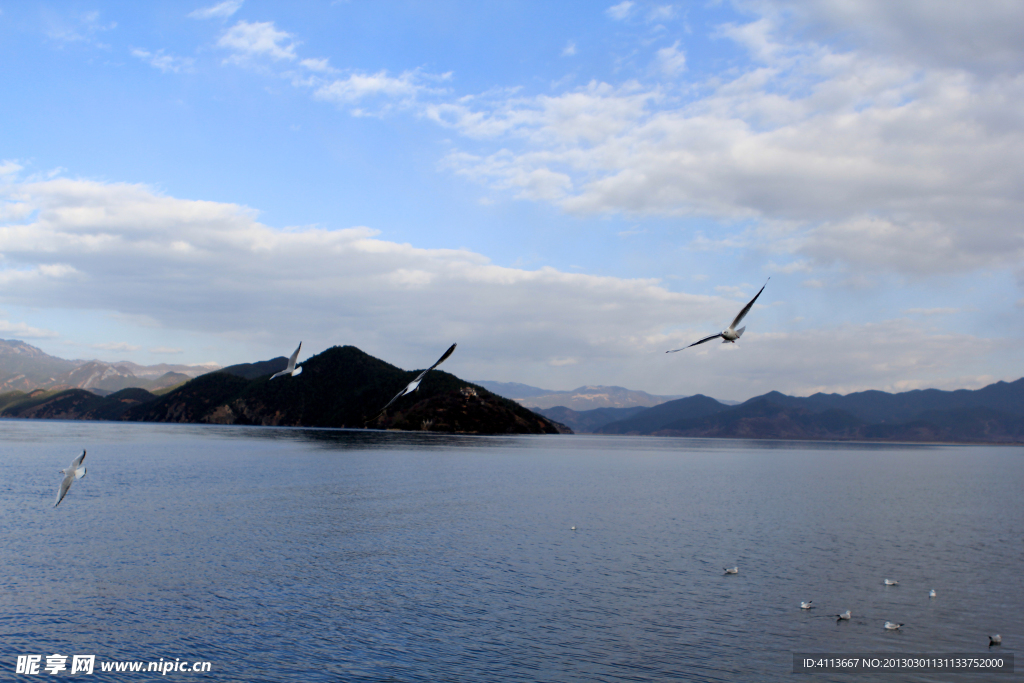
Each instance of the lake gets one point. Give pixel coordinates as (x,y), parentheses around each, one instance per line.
(325,555)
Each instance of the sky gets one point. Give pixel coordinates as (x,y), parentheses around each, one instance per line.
(567,190)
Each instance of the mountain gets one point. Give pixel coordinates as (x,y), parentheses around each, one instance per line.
(340,387)
(587,421)
(24,367)
(590,397)
(993,414)
(512,389)
(652,419)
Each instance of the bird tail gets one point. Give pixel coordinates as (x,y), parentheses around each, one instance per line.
(739,332)
(296,371)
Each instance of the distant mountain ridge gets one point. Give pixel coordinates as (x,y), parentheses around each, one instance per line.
(992,414)
(591,397)
(24,367)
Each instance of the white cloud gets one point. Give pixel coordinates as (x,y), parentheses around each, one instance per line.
(116,346)
(620,11)
(212,268)
(166,63)
(671,60)
(221,10)
(9,167)
(165,350)
(359,86)
(259,39)
(23,331)
(569,50)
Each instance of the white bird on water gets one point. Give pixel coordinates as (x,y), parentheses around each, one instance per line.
(291,369)
(74,471)
(931,593)
(845,616)
(890,582)
(729,334)
(889,626)
(415,384)
(807,605)
(732,570)
(995,640)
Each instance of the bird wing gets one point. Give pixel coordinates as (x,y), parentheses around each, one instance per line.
(451,349)
(276,375)
(705,339)
(64,486)
(746,309)
(295,357)
(78,461)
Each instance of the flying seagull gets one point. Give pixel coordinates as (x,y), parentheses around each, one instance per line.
(730,334)
(291,369)
(415,384)
(845,616)
(732,570)
(889,626)
(74,471)
(806,605)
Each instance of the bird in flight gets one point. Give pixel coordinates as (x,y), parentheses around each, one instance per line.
(415,384)
(291,369)
(74,471)
(730,334)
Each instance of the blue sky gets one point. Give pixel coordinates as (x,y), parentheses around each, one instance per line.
(565,189)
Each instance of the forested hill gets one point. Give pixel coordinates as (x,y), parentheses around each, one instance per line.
(341,387)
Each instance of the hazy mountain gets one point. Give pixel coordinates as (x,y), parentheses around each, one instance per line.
(24,367)
(650,420)
(591,397)
(587,421)
(513,389)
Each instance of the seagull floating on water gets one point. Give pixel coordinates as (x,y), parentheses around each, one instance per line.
(995,640)
(806,605)
(291,369)
(931,593)
(732,570)
(74,471)
(889,626)
(890,582)
(573,528)
(845,616)
(729,334)
(415,384)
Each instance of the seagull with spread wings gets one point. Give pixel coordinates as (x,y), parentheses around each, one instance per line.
(415,384)
(73,472)
(730,334)
(291,369)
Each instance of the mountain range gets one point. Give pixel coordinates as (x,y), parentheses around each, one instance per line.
(992,414)
(24,367)
(582,398)
(340,387)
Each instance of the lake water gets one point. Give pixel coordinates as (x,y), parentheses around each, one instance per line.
(324,555)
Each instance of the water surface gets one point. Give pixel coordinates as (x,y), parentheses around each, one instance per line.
(284,554)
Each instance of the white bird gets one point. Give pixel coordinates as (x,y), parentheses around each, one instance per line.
(889,626)
(845,616)
(291,369)
(806,605)
(573,528)
(730,334)
(931,593)
(733,570)
(415,384)
(74,471)
(995,640)
(890,582)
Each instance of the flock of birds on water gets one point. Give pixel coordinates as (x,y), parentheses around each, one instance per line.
(76,470)
(994,639)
